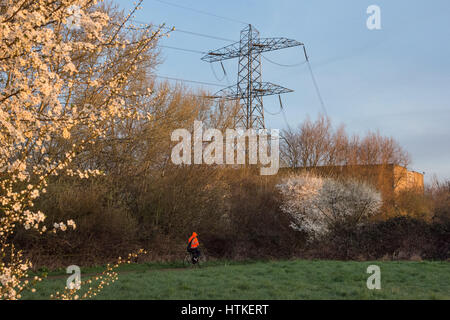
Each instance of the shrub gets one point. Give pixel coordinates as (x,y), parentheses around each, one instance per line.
(258,227)
(439,193)
(318,205)
(395,238)
(105,226)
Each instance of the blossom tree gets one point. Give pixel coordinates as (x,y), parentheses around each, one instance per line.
(64,65)
(317,205)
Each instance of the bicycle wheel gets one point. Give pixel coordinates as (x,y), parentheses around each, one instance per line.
(202,260)
(187,261)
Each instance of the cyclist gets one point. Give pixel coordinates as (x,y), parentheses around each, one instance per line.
(192,247)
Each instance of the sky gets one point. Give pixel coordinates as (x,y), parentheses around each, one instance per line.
(395,80)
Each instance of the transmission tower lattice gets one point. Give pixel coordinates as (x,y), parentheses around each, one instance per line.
(250,88)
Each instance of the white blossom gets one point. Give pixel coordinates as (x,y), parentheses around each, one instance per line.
(318,204)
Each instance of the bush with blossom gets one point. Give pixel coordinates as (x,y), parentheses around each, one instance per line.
(55,81)
(318,205)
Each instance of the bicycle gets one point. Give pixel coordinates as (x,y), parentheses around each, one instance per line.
(187,261)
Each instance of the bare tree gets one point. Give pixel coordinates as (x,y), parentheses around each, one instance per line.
(309,144)
(315,144)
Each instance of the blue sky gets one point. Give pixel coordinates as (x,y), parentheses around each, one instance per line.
(396,80)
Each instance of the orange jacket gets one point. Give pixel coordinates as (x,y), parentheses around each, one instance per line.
(194,243)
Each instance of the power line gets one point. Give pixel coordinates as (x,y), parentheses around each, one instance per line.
(316,86)
(280,111)
(284,65)
(319,95)
(200,11)
(284,115)
(191,81)
(225,73)
(272,113)
(187,32)
(215,74)
(202,35)
(182,49)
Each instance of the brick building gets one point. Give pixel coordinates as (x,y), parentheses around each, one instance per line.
(388,178)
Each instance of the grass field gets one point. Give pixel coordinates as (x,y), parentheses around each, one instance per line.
(293,279)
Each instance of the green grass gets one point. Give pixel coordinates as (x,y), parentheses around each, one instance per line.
(294,279)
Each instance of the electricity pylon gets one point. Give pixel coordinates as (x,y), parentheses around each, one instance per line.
(250,88)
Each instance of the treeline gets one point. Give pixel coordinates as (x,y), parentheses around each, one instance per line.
(318,143)
(237,214)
